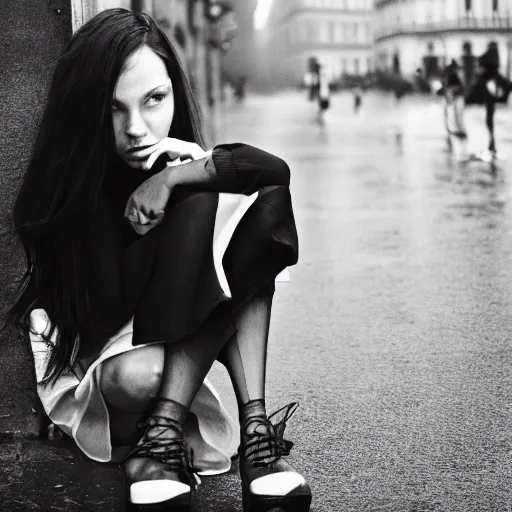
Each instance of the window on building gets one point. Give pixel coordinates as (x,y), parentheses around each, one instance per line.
(332,32)
(310,31)
(356,66)
(302,34)
(368,33)
(468,5)
(355,31)
(338,33)
(495,5)
(323,33)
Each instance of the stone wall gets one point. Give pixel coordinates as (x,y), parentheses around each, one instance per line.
(32,34)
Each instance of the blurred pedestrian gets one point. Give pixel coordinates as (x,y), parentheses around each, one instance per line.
(317,83)
(240,88)
(148,258)
(489,89)
(324,95)
(399,93)
(452,90)
(358,97)
(312,79)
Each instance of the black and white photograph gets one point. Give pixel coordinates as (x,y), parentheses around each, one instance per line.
(256,256)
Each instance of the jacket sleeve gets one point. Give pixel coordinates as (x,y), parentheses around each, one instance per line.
(240,168)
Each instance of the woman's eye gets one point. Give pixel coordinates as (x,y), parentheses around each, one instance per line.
(155,99)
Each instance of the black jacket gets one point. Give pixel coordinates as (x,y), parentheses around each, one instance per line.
(166,279)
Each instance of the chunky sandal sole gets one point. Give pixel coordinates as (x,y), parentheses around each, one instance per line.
(180,503)
(298,500)
(174,505)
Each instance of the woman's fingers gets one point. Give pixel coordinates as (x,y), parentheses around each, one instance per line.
(145,224)
(154,156)
(142,217)
(132,214)
(178,150)
(152,215)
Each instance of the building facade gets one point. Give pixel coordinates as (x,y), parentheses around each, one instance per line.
(337,32)
(428,34)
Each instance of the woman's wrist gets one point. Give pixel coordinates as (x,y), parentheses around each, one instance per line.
(190,173)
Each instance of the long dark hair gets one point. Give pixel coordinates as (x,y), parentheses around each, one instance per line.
(63,182)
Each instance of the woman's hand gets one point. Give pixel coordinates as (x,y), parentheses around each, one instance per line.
(178,150)
(145,207)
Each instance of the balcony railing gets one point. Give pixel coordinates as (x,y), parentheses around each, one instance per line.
(466,23)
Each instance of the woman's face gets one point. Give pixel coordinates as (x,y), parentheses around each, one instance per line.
(142,107)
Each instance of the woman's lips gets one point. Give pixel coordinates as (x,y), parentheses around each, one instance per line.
(136,158)
(134,153)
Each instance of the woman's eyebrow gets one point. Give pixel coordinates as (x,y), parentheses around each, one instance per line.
(159,88)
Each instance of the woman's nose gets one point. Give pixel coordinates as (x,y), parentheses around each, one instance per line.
(135,125)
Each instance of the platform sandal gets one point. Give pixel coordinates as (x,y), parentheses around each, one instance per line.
(268,481)
(168,478)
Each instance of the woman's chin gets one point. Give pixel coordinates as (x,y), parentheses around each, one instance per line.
(135,164)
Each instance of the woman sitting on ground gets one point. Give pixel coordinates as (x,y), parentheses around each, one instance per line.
(148,258)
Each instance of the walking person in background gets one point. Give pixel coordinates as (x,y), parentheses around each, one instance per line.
(317,84)
(324,95)
(452,91)
(358,98)
(489,89)
(240,88)
(312,79)
(148,258)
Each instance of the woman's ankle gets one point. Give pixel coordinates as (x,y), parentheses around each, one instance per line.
(172,409)
(252,409)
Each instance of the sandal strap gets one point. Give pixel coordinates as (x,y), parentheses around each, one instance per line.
(171,451)
(263,449)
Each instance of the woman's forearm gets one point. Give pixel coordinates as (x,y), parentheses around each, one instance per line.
(192,173)
(236,168)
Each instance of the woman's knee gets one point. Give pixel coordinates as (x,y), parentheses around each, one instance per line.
(130,381)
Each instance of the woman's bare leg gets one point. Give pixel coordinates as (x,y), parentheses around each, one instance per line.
(267,479)
(245,354)
(130,384)
(183,366)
